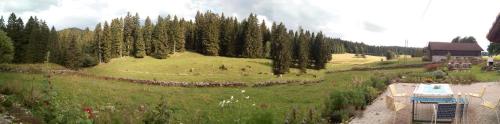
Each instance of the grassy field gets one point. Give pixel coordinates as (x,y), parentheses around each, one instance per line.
(193,67)
(200,105)
(347,60)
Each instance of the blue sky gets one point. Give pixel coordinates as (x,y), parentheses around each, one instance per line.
(375,22)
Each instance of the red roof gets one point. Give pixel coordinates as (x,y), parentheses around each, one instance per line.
(494,34)
(454,46)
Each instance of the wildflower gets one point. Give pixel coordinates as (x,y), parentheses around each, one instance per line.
(232,97)
(253,104)
(242,91)
(248,97)
(236,100)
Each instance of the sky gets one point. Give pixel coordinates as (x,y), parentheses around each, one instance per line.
(374,22)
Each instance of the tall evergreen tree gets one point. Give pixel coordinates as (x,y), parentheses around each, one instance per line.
(106,43)
(139,50)
(128,34)
(281,53)
(6,48)
(252,46)
(98,39)
(14,29)
(54,47)
(208,36)
(147,35)
(159,39)
(2,24)
(73,53)
(116,38)
(303,51)
(41,43)
(320,52)
(266,37)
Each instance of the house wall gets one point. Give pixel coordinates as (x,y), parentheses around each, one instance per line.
(455,53)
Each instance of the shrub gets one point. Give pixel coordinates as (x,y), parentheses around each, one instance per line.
(439,74)
(159,115)
(390,55)
(89,61)
(342,103)
(431,67)
(262,117)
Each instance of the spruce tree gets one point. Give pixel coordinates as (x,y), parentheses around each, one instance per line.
(303,51)
(252,46)
(209,34)
(98,37)
(14,29)
(2,24)
(147,35)
(139,50)
(106,43)
(320,52)
(159,39)
(54,47)
(281,53)
(128,32)
(116,38)
(72,54)
(6,48)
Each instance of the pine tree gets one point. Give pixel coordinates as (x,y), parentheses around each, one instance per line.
(320,52)
(139,50)
(266,37)
(252,46)
(128,32)
(14,29)
(177,35)
(116,38)
(303,51)
(6,48)
(31,37)
(281,53)
(159,39)
(72,54)
(2,24)
(98,37)
(41,43)
(147,35)
(208,29)
(106,43)
(54,47)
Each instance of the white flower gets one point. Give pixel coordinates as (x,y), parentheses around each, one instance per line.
(253,104)
(236,100)
(242,91)
(232,97)
(248,97)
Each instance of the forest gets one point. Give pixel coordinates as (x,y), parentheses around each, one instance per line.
(209,33)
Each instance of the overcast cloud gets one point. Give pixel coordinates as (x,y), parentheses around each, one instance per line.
(375,22)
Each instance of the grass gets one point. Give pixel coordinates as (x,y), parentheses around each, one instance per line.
(201,105)
(194,67)
(191,103)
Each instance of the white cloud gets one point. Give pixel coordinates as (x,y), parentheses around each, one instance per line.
(395,20)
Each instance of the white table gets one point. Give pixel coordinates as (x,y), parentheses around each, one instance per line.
(439,94)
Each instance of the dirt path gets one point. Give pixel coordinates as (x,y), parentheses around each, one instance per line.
(377,113)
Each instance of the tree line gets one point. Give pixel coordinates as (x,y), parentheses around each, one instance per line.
(209,33)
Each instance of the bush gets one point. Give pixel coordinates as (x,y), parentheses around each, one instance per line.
(431,67)
(439,74)
(342,103)
(390,55)
(89,61)
(161,114)
(262,117)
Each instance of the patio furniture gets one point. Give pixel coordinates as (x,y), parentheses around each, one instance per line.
(490,105)
(393,106)
(478,95)
(394,92)
(441,98)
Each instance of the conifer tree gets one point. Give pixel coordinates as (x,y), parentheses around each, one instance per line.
(147,35)
(159,39)
(98,37)
(128,32)
(281,53)
(72,54)
(116,38)
(106,43)
(252,46)
(2,24)
(303,51)
(139,50)
(6,48)
(54,46)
